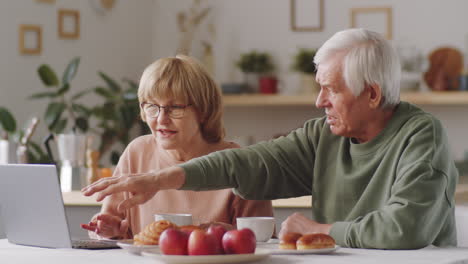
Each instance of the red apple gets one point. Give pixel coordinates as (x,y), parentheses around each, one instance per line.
(201,243)
(218,231)
(188,229)
(239,241)
(173,242)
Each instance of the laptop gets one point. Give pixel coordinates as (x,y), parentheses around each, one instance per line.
(32,209)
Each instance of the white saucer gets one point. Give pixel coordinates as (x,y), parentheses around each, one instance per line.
(137,249)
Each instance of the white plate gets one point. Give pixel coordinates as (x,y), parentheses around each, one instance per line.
(235,258)
(137,249)
(270,241)
(274,250)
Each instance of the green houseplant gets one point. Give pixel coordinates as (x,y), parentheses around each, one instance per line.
(255,65)
(60,102)
(117,115)
(7,123)
(303,62)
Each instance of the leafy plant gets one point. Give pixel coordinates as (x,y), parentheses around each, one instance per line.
(304,61)
(255,62)
(117,115)
(77,113)
(7,123)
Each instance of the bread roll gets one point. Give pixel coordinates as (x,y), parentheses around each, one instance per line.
(315,241)
(150,234)
(288,240)
(189,228)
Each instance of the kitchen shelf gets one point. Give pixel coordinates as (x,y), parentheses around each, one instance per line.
(419,98)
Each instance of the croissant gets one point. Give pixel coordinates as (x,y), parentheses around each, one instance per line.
(150,234)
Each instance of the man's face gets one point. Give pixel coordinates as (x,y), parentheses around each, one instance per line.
(347,114)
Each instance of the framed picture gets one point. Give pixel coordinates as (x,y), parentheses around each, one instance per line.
(30,39)
(68,24)
(46,1)
(307,15)
(379,19)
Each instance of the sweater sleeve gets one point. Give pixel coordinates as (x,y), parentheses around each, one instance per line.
(418,196)
(279,168)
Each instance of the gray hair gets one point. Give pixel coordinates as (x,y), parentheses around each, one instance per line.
(369,59)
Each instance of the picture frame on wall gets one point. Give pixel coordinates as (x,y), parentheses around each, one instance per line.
(30,39)
(378,19)
(46,1)
(307,15)
(68,23)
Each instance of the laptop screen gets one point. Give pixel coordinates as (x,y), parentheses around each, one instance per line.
(32,206)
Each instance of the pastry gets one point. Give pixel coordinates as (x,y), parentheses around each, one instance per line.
(288,240)
(150,234)
(315,241)
(189,228)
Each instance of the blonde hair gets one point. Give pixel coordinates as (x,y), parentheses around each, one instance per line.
(184,78)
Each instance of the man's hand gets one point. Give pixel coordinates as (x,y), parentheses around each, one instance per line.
(142,187)
(299,223)
(108,226)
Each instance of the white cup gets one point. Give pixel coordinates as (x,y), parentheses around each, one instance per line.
(178,219)
(263,227)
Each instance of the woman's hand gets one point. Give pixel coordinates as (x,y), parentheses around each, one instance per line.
(142,186)
(298,223)
(108,226)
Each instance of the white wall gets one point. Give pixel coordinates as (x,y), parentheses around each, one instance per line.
(118,42)
(243,25)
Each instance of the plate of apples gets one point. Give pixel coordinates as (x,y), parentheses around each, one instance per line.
(215,245)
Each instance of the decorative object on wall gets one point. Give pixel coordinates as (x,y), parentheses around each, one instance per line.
(307,15)
(379,19)
(30,39)
(188,23)
(46,1)
(102,6)
(68,24)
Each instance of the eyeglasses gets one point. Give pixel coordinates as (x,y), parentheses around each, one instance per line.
(174,111)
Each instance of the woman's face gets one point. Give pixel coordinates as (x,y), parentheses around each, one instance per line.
(173,133)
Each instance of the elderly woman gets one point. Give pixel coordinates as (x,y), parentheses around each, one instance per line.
(182,106)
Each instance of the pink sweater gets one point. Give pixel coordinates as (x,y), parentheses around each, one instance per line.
(143,155)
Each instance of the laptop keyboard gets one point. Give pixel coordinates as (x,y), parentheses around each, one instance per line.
(94,244)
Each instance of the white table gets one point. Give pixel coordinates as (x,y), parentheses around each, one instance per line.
(10,253)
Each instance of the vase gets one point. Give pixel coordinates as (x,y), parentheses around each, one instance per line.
(268,85)
(309,85)
(251,81)
(7,152)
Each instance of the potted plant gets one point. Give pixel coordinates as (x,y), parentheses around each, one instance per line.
(10,138)
(8,125)
(59,103)
(117,115)
(257,68)
(303,63)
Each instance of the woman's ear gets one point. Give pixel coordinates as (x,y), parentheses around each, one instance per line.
(375,95)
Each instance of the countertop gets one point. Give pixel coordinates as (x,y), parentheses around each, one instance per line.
(77,199)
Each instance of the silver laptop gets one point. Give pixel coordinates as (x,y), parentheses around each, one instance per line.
(33,211)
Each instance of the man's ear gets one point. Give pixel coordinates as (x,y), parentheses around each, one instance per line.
(375,95)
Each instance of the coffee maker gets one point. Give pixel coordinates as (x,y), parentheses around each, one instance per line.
(71,150)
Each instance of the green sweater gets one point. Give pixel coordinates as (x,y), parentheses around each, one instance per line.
(393,192)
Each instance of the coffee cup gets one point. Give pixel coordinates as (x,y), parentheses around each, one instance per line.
(178,219)
(263,227)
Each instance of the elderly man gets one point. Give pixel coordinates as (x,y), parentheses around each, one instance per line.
(379,170)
